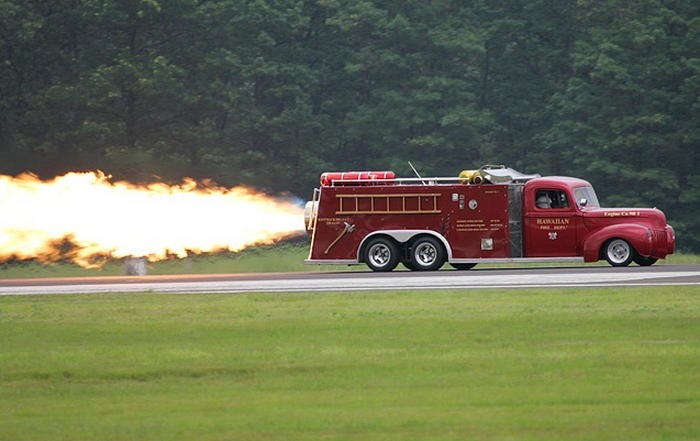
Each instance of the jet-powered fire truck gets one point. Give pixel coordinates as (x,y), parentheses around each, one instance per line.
(493,214)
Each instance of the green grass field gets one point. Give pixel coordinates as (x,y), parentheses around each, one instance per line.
(578,364)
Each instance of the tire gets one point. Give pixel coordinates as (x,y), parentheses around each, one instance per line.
(463,266)
(618,252)
(409,265)
(381,254)
(427,253)
(644,260)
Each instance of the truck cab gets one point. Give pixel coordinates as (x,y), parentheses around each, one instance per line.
(563,218)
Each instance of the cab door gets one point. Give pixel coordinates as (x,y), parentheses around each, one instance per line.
(550,224)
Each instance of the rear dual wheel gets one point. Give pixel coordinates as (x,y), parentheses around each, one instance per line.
(463,266)
(382,254)
(426,254)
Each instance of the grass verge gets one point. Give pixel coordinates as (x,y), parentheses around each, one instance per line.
(584,364)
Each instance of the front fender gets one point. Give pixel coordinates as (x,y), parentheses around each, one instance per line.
(637,235)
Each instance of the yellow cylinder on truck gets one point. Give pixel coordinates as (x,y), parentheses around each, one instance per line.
(470,177)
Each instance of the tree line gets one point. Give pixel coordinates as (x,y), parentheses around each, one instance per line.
(270,93)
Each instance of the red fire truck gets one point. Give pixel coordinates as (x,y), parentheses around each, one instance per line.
(493,214)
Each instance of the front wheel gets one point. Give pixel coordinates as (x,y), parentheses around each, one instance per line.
(618,252)
(644,260)
(427,254)
(381,254)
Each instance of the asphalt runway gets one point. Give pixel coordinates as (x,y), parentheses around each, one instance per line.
(484,278)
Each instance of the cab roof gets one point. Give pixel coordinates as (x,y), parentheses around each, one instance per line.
(559,182)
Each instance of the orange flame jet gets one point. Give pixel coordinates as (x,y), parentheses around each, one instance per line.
(84,217)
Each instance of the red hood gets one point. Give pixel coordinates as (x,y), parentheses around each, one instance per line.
(653,218)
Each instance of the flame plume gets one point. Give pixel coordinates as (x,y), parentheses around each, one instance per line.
(83,217)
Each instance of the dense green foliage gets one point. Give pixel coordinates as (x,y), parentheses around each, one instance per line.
(581,364)
(271,93)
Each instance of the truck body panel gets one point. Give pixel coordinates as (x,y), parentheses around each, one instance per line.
(533,219)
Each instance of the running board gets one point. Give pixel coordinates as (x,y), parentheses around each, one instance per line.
(520,260)
(482,260)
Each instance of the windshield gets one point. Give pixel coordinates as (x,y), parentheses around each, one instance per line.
(586,194)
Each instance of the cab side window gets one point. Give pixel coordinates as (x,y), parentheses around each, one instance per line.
(547,199)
